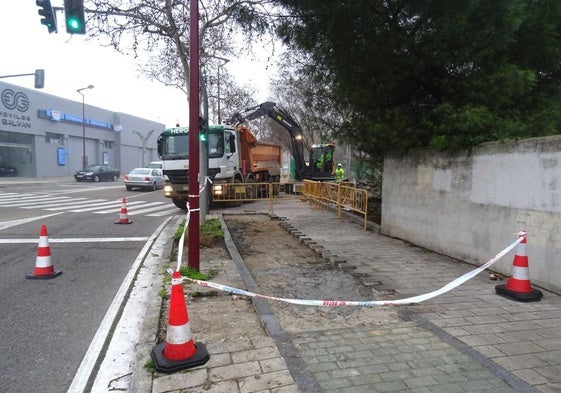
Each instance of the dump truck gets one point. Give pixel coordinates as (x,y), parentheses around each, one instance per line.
(234,156)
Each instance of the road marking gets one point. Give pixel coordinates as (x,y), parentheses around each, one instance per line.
(93,353)
(80,205)
(77,240)
(17,202)
(8,224)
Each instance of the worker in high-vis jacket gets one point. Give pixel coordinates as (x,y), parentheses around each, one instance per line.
(339,172)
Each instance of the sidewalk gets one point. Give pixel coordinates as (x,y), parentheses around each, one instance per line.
(466,340)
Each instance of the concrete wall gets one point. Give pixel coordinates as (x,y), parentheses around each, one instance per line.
(469,205)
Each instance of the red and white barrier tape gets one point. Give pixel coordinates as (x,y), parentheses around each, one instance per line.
(187,219)
(366,303)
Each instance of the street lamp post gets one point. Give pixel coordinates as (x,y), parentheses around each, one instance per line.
(84,163)
(218,85)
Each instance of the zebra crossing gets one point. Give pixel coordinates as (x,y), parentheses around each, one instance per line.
(81,204)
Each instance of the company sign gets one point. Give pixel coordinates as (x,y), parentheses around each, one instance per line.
(14,106)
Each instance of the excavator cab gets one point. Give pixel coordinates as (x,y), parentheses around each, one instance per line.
(321,159)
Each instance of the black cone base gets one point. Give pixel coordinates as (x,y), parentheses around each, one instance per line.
(43,277)
(169,366)
(533,296)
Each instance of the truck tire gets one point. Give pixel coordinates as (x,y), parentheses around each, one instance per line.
(180,203)
(250,189)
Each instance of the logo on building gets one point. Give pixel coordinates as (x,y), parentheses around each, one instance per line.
(12,100)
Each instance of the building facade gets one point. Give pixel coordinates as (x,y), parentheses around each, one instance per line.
(42,135)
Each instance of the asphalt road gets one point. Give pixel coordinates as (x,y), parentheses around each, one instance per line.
(47,325)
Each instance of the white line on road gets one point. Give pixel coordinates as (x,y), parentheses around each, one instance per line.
(8,224)
(78,240)
(87,366)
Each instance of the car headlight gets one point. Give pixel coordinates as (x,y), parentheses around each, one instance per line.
(88,173)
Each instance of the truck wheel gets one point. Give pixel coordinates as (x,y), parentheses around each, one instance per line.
(180,203)
(250,189)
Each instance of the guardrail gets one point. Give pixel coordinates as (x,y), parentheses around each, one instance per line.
(342,195)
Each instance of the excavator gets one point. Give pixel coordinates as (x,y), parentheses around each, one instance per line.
(320,164)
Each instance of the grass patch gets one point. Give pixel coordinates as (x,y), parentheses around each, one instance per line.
(212,228)
(209,232)
(150,366)
(187,271)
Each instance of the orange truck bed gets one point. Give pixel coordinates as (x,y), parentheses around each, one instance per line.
(259,156)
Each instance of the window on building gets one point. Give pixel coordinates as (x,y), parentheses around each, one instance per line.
(108,144)
(55,139)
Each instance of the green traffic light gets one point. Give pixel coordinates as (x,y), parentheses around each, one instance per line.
(73,24)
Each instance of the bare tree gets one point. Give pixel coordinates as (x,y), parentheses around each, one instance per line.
(156,33)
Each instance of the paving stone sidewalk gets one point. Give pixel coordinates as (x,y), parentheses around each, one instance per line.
(467,340)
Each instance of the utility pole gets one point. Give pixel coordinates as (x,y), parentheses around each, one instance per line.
(194,129)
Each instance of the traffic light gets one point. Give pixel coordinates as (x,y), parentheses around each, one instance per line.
(74,13)
(203,137)
(39,78)
(203,130)
(48,15)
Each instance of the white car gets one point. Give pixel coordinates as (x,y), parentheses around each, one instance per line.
(147,178)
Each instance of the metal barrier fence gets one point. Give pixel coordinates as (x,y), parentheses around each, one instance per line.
(342,196)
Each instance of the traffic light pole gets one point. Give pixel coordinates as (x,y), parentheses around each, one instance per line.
(39,77)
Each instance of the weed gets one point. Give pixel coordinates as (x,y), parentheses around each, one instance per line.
(150,366)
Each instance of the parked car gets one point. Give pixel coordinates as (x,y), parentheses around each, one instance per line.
(8,170)
(97,173)
(150,178)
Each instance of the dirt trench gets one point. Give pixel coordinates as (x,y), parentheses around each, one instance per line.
(283,266)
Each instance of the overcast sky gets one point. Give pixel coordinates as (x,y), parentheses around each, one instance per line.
(72,62)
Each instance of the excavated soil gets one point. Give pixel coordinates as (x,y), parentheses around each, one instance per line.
(283,266)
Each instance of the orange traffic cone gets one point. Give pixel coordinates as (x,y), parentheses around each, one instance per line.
(179,351)
(123,215)
(518,285)
(44,268)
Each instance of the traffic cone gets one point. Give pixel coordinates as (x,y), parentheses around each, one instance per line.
(44,268)
(123,216)
(179,351)
(518,285)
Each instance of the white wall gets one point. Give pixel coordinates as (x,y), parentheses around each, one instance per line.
(469,205)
